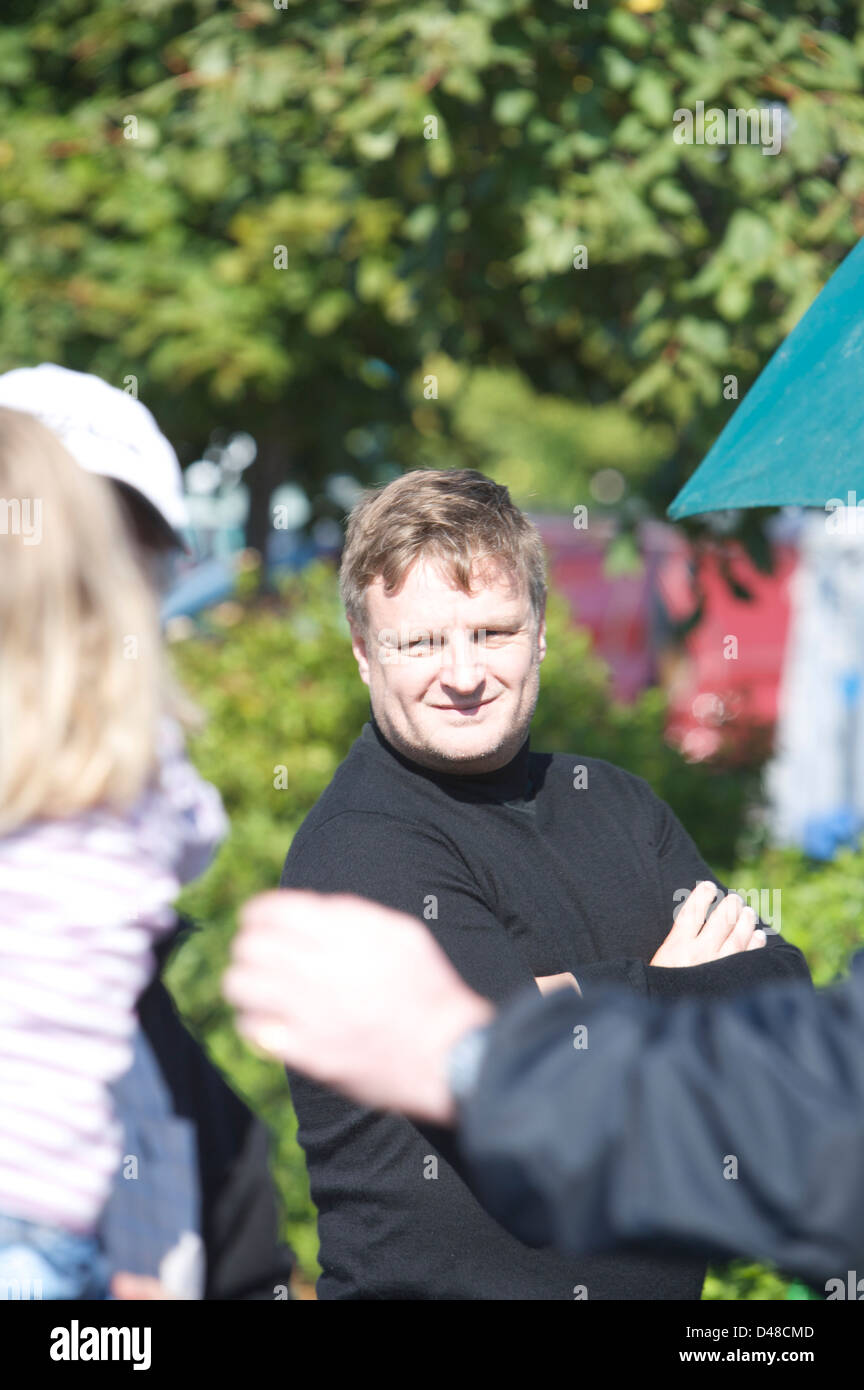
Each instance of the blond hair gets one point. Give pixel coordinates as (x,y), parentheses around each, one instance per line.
(82,681)
(457,517)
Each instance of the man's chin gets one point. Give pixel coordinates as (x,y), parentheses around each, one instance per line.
(464,744)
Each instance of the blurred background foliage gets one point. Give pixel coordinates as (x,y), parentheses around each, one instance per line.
(278,682)
(154,161)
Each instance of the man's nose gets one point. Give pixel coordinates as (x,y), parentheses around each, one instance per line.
(463,665)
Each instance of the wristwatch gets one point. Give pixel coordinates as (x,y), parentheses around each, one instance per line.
(465,1059)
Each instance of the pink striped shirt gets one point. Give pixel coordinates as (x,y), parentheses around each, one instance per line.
(81,902)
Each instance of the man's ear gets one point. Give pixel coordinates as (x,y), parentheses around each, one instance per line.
(360,649)
(541,635)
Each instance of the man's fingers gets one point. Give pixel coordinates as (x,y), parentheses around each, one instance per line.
(296,911)
(258,985)
(721,923)
(262,947)
(739,938)
(691,917)
(547,984)
(273,1036)
(759,939)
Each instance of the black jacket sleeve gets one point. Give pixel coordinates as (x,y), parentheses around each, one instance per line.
(727,1127)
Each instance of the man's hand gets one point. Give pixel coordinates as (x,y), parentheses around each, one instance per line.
(547,984)
(355,995)
(694,940)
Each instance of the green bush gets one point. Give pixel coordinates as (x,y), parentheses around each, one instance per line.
(279,684)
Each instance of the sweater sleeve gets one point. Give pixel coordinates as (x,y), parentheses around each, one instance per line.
(681,867)
(732,1127)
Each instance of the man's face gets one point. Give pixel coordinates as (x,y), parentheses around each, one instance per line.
(453,678)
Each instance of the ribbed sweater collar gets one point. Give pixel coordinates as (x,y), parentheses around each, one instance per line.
(512,782)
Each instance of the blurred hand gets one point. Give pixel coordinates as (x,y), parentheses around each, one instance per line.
(694,939)
(357,996)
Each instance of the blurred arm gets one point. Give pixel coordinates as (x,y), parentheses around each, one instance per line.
(733,1127)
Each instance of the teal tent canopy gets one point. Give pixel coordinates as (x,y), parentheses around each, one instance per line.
(798,436)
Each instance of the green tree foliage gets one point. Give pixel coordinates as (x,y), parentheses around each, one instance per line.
(153,160)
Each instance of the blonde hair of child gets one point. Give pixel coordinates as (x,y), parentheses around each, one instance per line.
(82,676)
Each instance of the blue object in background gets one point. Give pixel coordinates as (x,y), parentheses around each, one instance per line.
(290,550)
(212,581)
(850,687)
(825,835)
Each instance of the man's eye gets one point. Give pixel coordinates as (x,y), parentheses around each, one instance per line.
(421,645)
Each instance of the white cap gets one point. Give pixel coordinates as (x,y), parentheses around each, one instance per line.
(106,430)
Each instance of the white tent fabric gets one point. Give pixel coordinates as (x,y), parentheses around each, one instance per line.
(815,782)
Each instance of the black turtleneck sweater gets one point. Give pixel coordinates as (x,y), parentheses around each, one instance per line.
(517,873)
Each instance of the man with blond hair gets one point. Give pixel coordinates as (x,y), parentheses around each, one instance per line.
(553,868)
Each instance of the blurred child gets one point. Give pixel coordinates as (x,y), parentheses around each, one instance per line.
(102,819)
